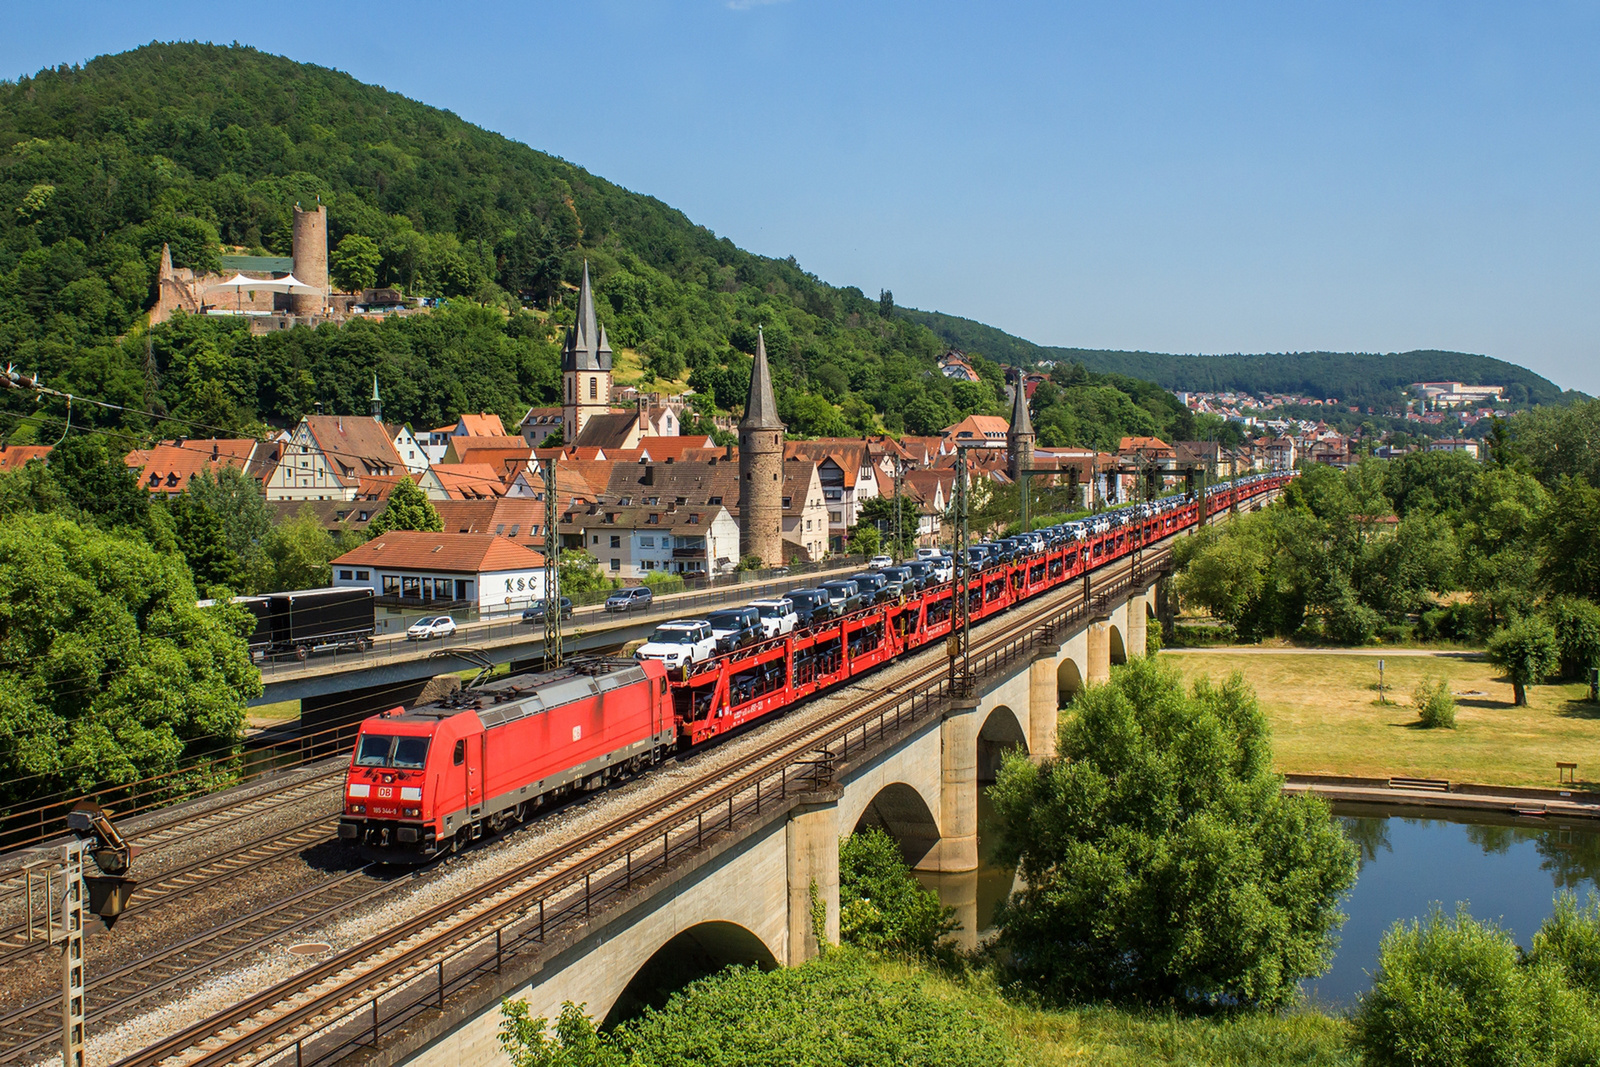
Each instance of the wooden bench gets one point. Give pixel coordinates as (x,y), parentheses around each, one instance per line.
(1435,785)
(1566,773)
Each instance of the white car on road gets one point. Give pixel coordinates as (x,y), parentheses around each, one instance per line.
(432,626)
(777,616)
(880,561)
(679,643)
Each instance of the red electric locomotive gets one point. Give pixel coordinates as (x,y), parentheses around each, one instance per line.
(423,780)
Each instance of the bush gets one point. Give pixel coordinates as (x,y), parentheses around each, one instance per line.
(1455,993)
(881,906)
(1435,706)
(1162,861)
(832,1010)
(1570,939)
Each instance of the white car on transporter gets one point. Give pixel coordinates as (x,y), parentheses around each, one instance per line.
(679,643)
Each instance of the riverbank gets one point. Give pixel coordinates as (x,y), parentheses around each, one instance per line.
(1326,718)
(1117,1037)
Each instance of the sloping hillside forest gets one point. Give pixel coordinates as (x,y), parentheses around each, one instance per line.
(207,148)
(1363,378)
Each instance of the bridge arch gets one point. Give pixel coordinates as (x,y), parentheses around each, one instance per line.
(1069,680)
(902,812)
(1001,732)
(1119,648)
(689,955)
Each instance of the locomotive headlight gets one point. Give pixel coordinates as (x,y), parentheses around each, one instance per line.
(413,812)
(358,809)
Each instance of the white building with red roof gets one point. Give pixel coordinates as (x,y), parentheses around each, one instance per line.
(444,571)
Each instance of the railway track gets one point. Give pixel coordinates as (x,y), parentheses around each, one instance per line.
(174,885)
(592,867)
(177,824)
(32,1029)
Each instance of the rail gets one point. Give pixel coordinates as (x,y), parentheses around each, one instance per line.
(566,901)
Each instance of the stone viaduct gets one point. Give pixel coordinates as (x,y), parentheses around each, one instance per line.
(764,893)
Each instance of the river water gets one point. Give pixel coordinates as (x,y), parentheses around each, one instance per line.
(1503,868)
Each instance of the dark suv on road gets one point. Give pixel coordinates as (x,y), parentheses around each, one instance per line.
(534,612)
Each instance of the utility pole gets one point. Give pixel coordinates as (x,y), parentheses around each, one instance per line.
(552,569)
(899,526)
(71,940)
(959,646)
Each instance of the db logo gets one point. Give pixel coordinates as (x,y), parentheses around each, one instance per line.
(385,791)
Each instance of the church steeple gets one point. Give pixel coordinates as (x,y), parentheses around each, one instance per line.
(377,401)
(585,366)
(1020,435)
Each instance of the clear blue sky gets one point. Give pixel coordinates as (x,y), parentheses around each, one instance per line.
(1187,177)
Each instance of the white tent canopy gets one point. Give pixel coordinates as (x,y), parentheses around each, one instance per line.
(287,284)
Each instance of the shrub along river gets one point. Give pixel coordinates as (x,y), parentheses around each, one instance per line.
(1502,867)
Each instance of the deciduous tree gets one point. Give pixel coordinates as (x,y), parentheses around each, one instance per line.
(1162,861)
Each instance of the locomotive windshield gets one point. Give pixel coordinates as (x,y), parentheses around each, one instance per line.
(386,750)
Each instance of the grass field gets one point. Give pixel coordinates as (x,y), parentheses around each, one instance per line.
(1111,1037)
(1326,719)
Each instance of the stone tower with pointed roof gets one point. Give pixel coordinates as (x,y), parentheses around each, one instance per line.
(761,467)
(1020,435)
(585,367)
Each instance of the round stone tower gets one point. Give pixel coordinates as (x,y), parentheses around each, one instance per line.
(310,254)
(761,468)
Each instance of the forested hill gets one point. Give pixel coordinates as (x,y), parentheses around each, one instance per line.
(207,149)
(200,147)
(1363,378)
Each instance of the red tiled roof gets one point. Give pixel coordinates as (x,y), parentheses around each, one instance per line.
(169,466)
(469,481)
(483,425)
(662,449)
(454,553)
(15,457)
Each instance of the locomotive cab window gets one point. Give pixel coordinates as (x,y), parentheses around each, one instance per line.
(386,750)
(460,756)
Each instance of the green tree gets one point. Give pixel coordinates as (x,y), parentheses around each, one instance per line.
(1577,626)
(1163,863)
(864,540)
(1527,651)
(1571,540)
(237,501)
(203,542)
(1454,993)
(108,671)
(408,509)
(354,264)
(578,572)
(878,513)
(94,478)
(299,552)
(881,906)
